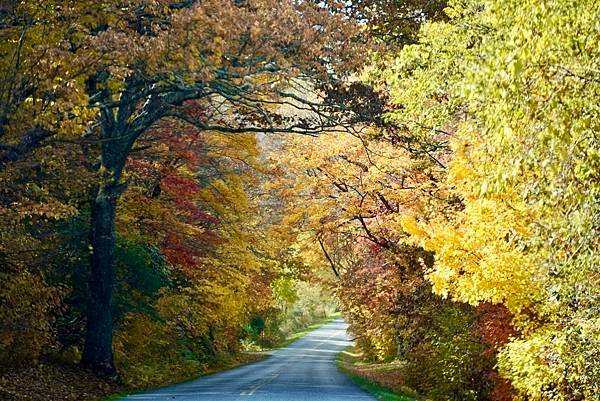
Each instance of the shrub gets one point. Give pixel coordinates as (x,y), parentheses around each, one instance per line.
(149,353)
(27,306)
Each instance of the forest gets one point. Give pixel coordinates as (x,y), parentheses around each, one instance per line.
(186,182)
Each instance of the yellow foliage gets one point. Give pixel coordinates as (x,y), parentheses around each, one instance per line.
(150,353)
(27,305)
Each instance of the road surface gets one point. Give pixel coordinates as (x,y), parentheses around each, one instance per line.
(304,371)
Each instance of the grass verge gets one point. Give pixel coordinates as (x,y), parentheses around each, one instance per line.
(242,359)
(299,334)
(381,380)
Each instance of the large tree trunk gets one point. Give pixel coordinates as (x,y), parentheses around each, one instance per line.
(98,353)
(116,144)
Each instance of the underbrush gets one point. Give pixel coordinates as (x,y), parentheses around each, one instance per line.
(307,306)
(54,380)
(383,380)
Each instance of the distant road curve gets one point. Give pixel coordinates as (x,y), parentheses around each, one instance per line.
(303,371)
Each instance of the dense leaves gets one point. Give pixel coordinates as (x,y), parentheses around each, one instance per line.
(484,167)
(525,172)
(127,144)
(446,192)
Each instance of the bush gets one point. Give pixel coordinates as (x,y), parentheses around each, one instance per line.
(449,364)
(149,353)
(27,308)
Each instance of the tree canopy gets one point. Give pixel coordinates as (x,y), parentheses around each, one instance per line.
(177,177)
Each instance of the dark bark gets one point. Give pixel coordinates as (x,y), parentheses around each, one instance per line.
(118,138)
(333,268)
(98,354)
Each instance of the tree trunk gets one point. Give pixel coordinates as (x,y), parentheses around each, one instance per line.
(98,353)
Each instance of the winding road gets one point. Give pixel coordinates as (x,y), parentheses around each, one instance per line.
(304,371)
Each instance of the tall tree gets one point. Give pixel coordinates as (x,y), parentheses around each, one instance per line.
(521,99)
(111,71)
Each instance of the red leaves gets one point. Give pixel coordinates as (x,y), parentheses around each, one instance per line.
(166,173)
(178,253)
(503,390)
(178,186)
(199,216)
(183,191)
(196,110)
(141,167)
(494,325)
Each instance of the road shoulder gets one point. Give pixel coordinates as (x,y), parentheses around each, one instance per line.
(380,380)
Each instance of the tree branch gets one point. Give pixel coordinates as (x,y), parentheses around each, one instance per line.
(292,129)
(328,257)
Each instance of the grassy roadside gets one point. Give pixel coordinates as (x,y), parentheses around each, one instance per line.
(381,380)
(299,334)
(244,359)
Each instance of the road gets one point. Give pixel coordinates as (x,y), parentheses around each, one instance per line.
(304,371)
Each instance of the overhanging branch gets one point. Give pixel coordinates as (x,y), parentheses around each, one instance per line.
(292,129)
(335,271)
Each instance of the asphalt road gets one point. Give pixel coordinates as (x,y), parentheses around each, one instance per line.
(303,371)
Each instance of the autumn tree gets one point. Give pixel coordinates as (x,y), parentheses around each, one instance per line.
(110,72)
(346,198)
(357,196)
(393,23)
(518,95)
(189,198)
